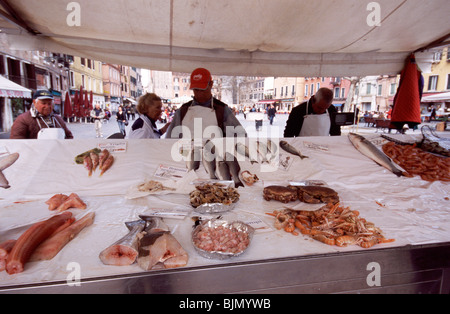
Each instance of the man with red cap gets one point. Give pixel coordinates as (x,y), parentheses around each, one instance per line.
(204,116)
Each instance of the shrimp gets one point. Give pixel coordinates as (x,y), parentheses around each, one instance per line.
(345,240)
(324,239)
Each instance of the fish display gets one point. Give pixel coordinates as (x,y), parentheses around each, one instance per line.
(369,150)
(56,200)
(6,162)
(107,164)
(291,149)
(80,158)
(244,151)
(417,162)
(209,161)
(95,158)
(332,225)
(213,193)
(125,250)
(104,154)
(31,239)
(262,150)
(234,168)
(87,162)
(53,245)
(193,157)
(158,245)
(71,201)
(224,170)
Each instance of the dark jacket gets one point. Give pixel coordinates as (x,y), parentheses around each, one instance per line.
(295,121)
(26,127)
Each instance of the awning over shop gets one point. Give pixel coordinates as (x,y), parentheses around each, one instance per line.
(13,90)
(130,100)
(441,97)
(278,38)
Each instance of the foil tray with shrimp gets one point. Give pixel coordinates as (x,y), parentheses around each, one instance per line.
(221,239)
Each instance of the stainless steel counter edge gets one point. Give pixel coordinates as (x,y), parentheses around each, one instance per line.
(408,269)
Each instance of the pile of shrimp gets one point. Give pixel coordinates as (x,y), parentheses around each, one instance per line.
(332,225)
(416,161)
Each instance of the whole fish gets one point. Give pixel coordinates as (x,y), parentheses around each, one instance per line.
(262,151)
(209,161)
(291,149)
(5,162)
(272,147)
(87,161)
(103,157)
(194,156)
(244,151)
(223,169)
(107,164)
(158,245)
(124,251)
(234,168)
(366,148)
(95,160)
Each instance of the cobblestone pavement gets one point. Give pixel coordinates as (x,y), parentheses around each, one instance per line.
(82,130)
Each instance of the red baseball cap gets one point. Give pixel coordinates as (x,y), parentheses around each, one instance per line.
(200,79)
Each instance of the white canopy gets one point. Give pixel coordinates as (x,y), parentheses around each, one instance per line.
(13,90)
(233,37)
(441,97)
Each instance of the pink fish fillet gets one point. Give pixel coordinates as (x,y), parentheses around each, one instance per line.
(50,247)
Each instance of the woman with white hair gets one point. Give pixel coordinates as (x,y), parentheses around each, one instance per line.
(150,109)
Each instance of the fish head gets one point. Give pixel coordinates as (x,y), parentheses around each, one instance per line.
(131,224)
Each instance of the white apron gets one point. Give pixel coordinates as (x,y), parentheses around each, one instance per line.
(315,124)
(201,123)
(50,133)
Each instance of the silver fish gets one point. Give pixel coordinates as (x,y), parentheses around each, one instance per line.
(234,168)
(366,148)
(124,251)
(272,147)
(158,245)
(209,161)
(194,158)
(244,151)
(6,162)
(262,151)
(223,169)
(291,149)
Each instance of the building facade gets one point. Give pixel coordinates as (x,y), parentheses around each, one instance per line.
(88,73)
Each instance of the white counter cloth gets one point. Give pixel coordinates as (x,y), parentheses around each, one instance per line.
(410,210)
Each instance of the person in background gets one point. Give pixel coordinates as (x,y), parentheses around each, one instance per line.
(313,117)
(271,113)
(121,120)
(40,122)
(150,109)
(204,111)
(98,115)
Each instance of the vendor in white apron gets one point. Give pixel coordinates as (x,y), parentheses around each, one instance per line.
(40,122)
(312,118)
(204,116)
